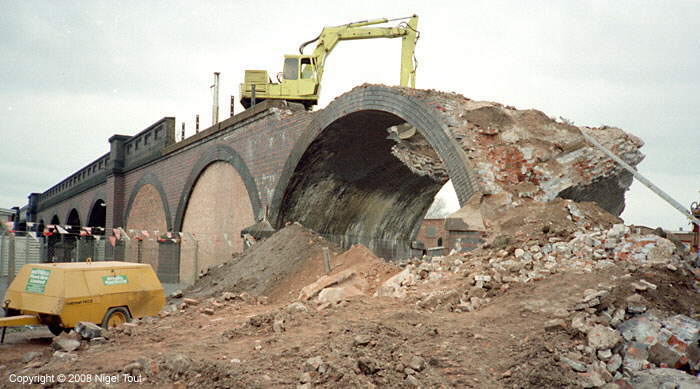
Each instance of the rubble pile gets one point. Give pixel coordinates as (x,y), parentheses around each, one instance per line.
(294,251)
(487,270)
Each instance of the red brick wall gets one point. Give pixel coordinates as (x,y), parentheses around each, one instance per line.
(430,231)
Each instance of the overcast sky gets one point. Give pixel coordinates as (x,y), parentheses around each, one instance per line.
(74,73)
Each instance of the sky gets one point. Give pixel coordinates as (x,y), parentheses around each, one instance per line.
(74,73)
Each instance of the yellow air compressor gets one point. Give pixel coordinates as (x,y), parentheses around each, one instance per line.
(60,295)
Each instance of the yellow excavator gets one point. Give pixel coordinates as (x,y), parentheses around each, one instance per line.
(300,80)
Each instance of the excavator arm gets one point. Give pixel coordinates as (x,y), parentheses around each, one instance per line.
(407,31)
(300,80)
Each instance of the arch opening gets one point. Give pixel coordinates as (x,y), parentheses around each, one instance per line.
(217,209)
(146,213)
(98,216)
(369,178)
(73,221)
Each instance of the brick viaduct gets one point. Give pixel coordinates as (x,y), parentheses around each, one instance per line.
(332,170)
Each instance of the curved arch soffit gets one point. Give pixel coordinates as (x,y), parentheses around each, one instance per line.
(418,114)
(218,153)
(152,179)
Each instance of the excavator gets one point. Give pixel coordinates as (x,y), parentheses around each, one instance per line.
(300,79)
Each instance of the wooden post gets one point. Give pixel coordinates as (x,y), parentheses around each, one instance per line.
(327,260)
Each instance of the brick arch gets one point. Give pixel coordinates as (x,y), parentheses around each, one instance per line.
(149,179)
(372,107)
(426,119)
(70,221)
(100,195)
(214,154)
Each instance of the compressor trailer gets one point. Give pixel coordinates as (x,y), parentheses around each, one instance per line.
(59,295)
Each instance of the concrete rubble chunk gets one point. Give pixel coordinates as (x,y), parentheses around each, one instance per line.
(65,344)
(30,356)
(416,363)
(65,356)
(657,378)
(339,293)
(635,356)
(575,365)
(644,329)
(614,363)
(601,337)
(683,327)
(393,286)
(88,330)
(178,363)
(313,289)
(313,363)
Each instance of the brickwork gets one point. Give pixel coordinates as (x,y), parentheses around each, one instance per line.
(146,213)
(83,203)
(219,204)
(432,233)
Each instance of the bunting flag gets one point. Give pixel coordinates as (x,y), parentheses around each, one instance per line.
(97,237)
(30,224)
(180,234)
(116,233)
(229,243)
(61,230)
(131,230)
(145,233)
(47,232)
(123,234)
(169,235)
(113,241)
(85,231)
(33,235)
(9,225)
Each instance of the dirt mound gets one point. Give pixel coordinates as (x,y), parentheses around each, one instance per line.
(285,255)
(561,217)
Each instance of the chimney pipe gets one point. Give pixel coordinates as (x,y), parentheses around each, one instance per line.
(215,104)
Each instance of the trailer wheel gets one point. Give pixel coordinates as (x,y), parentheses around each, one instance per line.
(115,317)
(56,329)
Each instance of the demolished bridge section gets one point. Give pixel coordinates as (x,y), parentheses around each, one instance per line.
(517,156)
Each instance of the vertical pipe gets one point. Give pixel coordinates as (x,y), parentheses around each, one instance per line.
(326,260)
(232,102)
(11,259)
(196,124)
(252,99)
(2,257)
(215,98)
(182,133)
(26,248)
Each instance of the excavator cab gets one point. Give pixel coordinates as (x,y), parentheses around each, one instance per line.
(298,82)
